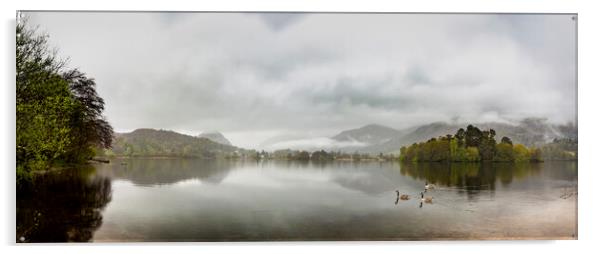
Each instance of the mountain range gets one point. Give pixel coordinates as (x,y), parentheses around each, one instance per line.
(378,138)
(372,138)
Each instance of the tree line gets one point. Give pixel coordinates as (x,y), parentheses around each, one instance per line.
(322,155)
(469,145)
(58,111)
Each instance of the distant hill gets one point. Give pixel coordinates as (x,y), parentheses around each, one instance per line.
(529,131)
(375,138)
(215,137)
(370,134)
(151,142)
(412,135)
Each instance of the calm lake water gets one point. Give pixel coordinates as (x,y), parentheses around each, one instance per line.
(200,200)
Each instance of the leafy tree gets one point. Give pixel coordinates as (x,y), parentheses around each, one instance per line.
(472,154)
(486,145)
(521,153)
(454,152)
(43,134)
(440,150)
(460,136)
(58,114)
(473,136)
(506,140)
(321,156)
(477,146)
(303,156)
(504,152)
(87,121)
(535,155)
(43,105)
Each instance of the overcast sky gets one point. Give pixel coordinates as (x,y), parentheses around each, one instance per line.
(262,76)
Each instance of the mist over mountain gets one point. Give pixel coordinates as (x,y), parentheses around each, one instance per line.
(369,134)
(374,138)
(215,137)
(529,131)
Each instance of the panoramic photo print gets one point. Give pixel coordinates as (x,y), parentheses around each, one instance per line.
(273,126)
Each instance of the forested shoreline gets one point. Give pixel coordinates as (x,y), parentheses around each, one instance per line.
(59,114)
(475,145)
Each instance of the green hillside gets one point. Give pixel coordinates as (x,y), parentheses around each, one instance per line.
(163,143)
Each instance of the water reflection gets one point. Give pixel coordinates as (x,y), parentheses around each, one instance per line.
(372,178)
(474,178)
(62,206)
(148,172)
(151,200)
(468,177)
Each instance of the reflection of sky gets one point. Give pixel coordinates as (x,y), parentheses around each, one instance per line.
(272,199)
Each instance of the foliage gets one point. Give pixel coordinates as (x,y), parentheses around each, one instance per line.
(322,156)
(506,140)
(87,121)
(58,113)
(560,149)
(521,153)
(472,145)
(504,152)
(473,136)
(487,146)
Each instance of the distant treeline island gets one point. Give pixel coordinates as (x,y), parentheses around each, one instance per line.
(474,145)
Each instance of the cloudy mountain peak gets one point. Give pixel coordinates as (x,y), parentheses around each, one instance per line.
(215,137)
(370,134)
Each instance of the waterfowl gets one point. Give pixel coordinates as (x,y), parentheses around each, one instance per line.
(427,199)
(402,196)
(428,186)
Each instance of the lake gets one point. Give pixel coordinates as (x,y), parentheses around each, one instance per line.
(204,200)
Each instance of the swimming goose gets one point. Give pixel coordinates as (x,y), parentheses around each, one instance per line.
(402,196)
(427,199)
(428,186)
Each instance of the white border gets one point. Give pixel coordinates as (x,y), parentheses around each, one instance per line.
(589,123)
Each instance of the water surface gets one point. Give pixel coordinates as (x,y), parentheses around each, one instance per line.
(201,200)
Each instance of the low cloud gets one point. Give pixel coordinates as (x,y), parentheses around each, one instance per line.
(314,144)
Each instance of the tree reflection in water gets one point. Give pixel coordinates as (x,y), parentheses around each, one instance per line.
(470,178)
(62,206)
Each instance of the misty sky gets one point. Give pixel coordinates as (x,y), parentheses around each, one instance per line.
(262,76)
